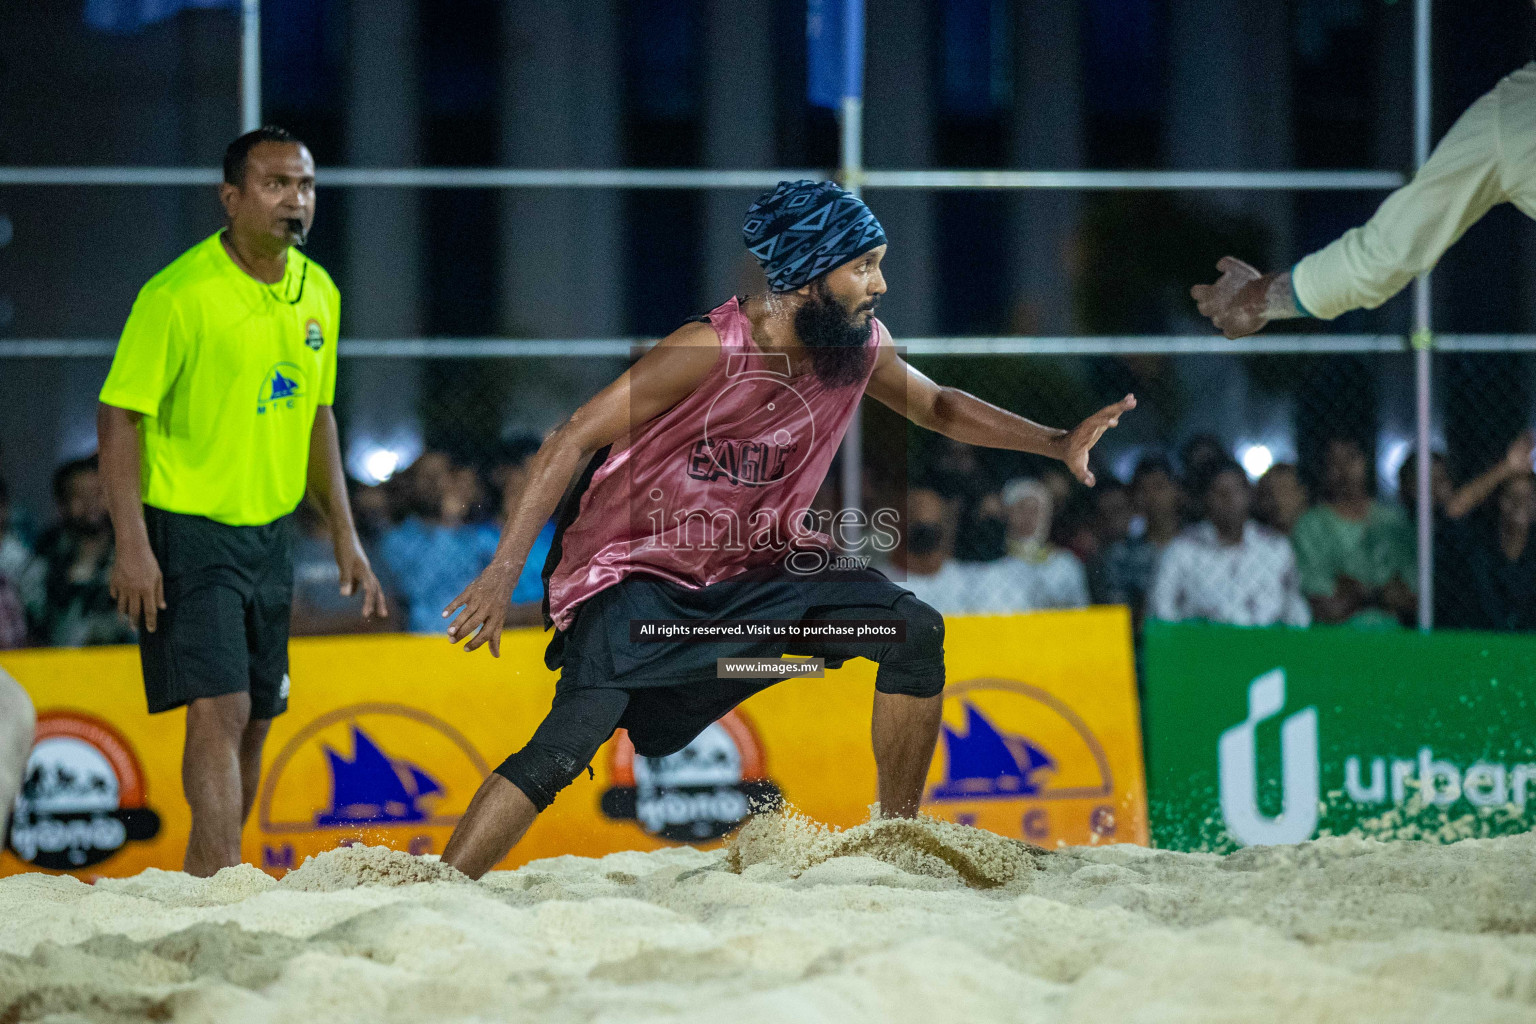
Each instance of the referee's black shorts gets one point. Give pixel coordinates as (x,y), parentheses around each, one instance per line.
(224,629)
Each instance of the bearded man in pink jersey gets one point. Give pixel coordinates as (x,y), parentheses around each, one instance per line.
(697,470)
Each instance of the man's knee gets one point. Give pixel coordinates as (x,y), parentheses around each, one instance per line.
(222,718)
(915,667)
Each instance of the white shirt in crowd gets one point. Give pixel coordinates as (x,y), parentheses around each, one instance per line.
(1050,578)
(1003,587)
(1251,583)
(952,590)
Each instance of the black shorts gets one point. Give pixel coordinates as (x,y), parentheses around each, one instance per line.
(674,690)
(228,597)
(665,694)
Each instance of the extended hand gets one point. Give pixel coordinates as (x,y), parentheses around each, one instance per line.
(1078,442)
(1236,302)
(483,605)
(356,572)
(137,586)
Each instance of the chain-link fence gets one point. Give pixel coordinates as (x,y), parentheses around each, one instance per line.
(1256,489)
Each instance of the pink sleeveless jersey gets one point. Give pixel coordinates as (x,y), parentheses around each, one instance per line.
(714,486)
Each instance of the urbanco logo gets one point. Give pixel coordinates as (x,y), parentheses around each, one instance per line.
(1237,761)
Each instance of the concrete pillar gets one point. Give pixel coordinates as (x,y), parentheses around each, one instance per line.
(738,134)
(562,275)
(1047,129)
(898,134)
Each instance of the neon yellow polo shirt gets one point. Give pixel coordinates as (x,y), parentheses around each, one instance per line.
(228,373)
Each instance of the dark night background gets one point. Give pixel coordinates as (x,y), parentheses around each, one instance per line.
(1148,84)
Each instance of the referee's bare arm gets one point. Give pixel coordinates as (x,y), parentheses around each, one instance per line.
(327,483)
(661,378)
(136,582)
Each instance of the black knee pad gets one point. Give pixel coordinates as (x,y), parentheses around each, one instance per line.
(915,667)
(925,627)
(540,772)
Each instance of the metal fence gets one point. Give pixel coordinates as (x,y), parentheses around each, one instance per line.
(1332,384)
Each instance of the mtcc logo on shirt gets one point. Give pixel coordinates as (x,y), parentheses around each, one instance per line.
(280,388)
(314,337)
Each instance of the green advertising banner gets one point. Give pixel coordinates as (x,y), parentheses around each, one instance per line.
(1272,736)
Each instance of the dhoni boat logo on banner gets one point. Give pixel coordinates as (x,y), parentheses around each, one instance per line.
(702,792)
(82,797)
(1021,762)
(379,773)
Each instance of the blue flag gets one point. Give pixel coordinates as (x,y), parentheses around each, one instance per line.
(834,51)
(124,17)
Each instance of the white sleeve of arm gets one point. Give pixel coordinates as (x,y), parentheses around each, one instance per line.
(1414,225)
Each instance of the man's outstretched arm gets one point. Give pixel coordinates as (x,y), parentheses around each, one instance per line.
(661,378)
(957,414)
(1407,235)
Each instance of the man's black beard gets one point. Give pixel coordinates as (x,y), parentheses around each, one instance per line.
(836,340)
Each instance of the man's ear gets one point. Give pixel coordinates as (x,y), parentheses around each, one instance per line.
(228,194)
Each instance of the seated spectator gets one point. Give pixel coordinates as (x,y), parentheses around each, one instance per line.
(437,551)
(982,538)
(1197,455)
(959,476)
(319,608)
(1036,573)
(1112,513)
(1280,499)
(15,553)
(1125,574)
(370,509)
(1354,567)
(1462,542)
(1452,502)
(1499,584)
(70,603)
(923,561)
(15,563)
(1228,568)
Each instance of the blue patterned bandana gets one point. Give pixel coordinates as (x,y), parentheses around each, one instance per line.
(802,229)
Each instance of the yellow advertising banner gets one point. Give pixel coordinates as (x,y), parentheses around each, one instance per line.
(387,737)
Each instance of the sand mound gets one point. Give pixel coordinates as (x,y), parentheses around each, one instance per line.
(920,846)
(352,866)
(895,921)
(178,889)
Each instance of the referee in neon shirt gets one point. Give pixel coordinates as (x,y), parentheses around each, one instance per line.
(214,420)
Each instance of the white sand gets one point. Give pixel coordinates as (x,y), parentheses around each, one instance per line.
(886,922)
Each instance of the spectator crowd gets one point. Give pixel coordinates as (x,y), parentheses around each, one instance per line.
(1191,539)
(1198,540)
(428,531)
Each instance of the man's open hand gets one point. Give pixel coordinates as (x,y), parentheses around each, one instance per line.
(356,573)
(483,609)
(1079,441)
(1236,302)
(137,586)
